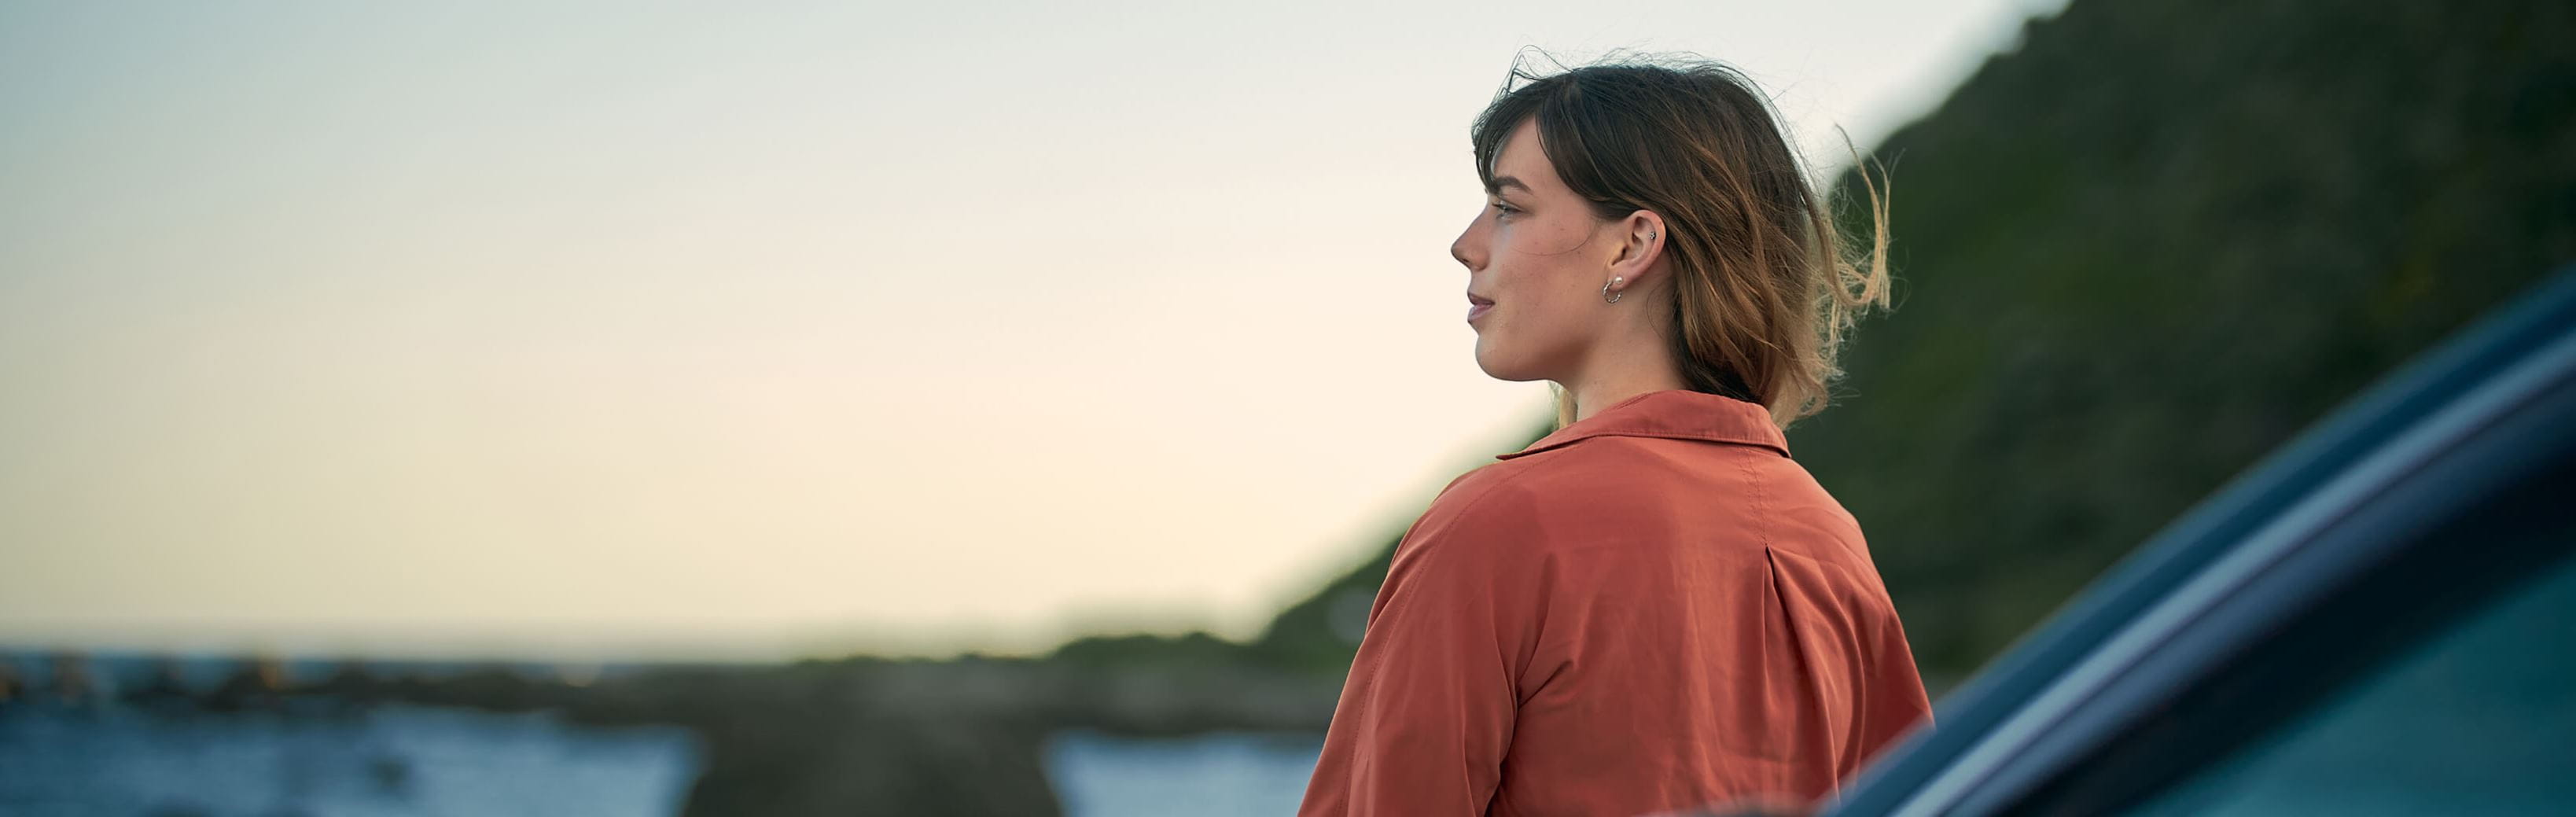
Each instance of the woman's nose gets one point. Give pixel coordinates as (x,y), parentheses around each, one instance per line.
(1458,249)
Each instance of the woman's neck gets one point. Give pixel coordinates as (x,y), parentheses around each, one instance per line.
(1599,390)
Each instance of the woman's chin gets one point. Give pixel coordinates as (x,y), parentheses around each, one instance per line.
(1500,367)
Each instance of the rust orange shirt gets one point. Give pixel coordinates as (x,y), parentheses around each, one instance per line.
(1651,609)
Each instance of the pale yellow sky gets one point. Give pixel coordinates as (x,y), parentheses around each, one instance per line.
(702,331)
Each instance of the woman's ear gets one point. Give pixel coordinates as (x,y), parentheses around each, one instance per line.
(1641,242)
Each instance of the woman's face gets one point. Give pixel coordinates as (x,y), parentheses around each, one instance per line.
(1539,257)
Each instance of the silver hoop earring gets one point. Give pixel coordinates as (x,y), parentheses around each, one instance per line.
(1609,297)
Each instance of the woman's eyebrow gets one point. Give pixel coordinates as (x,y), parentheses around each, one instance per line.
(1500,182)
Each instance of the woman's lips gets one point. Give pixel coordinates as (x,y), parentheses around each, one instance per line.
(1475,310)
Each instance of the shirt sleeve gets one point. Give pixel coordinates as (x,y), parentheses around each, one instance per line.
(1426,716)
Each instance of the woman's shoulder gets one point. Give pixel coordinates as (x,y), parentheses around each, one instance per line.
(1579,489)
(1565,477)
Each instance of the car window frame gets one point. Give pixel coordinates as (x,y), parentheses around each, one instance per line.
(2350,525)
(2393,429)
(2320,620)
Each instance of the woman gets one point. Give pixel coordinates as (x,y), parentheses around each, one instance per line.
(1652,608)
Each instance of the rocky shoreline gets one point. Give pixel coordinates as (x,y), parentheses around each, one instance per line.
(960,736)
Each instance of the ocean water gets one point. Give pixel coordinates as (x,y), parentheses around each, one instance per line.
(109,759)
(402,761)
(1211,776)
(387,761)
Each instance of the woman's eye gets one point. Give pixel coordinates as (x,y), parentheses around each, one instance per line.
(1504,209)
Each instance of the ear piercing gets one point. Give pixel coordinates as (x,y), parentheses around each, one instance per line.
(1609,297)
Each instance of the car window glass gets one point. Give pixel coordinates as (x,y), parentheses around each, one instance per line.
(2474,721)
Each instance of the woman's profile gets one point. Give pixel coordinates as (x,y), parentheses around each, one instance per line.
(1653,608)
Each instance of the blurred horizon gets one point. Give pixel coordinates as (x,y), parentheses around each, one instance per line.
(670,334)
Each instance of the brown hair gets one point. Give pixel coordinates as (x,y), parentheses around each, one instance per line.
(1762,288)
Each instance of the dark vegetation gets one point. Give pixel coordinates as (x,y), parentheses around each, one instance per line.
(2155,241)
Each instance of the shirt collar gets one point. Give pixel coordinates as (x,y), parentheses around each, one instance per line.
(1679,414)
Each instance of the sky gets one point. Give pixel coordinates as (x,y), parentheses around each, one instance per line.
(716,331)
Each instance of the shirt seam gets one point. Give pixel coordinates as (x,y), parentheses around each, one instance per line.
(1464,506)
(1775,449)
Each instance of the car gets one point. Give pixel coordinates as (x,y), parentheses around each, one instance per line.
(2379,618)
